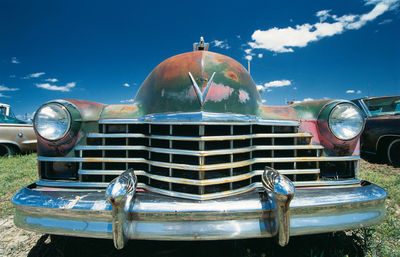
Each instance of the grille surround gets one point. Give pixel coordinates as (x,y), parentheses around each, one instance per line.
(214,158)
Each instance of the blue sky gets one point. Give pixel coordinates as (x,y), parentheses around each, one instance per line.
(102,51)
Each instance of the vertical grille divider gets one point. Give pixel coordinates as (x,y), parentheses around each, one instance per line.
(149,152)
(103,152)
(231,156)
(201,158)
(80,165)
(272,143)
(295,163)
(251,152)
(127,144)
(317,165)
(170,156)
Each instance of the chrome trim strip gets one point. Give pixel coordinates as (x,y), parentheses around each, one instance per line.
(203,118)
(141,172)
(200,167)
(200,138)
(200,153)
(306,184)
(211,196)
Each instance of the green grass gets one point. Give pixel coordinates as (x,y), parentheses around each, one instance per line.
(384,239)
(15,172)
(381,240)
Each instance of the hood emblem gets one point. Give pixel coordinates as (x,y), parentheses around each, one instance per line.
(201,95)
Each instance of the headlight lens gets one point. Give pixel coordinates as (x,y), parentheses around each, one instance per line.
(346,121)
(52,121)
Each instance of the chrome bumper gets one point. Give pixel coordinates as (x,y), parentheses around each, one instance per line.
(87,213)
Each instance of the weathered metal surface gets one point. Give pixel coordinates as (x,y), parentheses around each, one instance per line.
(314,116)
(169,88)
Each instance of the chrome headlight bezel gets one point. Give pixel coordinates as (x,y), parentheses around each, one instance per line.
(357,129)
(58,136)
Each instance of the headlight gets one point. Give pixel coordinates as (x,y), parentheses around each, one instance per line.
(52,121)
(346,121)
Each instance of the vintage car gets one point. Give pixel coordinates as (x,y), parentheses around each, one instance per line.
(198,157)
(381,136)
(16,136)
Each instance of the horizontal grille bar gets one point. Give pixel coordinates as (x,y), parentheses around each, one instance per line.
(200,138)
(205,182)
(257,172)
(201,167)
(201,153)
(75,184)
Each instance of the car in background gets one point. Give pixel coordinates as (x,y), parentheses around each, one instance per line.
(381,136)
(16,136)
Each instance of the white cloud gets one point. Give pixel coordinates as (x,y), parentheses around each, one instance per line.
(359,91)
(350,91)
(14,60)
(65,88)
(12,76)
(34,75)
(278,83)
(260,55)
(127,101)
(1,95)
(308,99)
(260,88)
(52,80)
(3,88)
(263,101)
(221,44)
(269,90)
(126,85)
(281,40)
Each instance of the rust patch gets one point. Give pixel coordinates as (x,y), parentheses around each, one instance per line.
(279,112)
(121,109)
(231,75)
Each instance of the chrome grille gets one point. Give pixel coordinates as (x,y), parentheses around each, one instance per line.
(202,160)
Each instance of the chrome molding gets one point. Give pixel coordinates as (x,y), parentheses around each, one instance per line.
(258,186)
(282,190)
(201,153)
(144,173)
(200,138)
(200,167)
(203,118)
(201,95)
(204,182)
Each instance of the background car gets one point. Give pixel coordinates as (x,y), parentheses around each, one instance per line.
(16,136)
(381,136)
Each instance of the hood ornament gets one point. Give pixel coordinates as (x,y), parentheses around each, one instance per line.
(201,95)
(201,46)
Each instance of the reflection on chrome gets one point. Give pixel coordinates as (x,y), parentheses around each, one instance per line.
(281,190)
(120,193)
